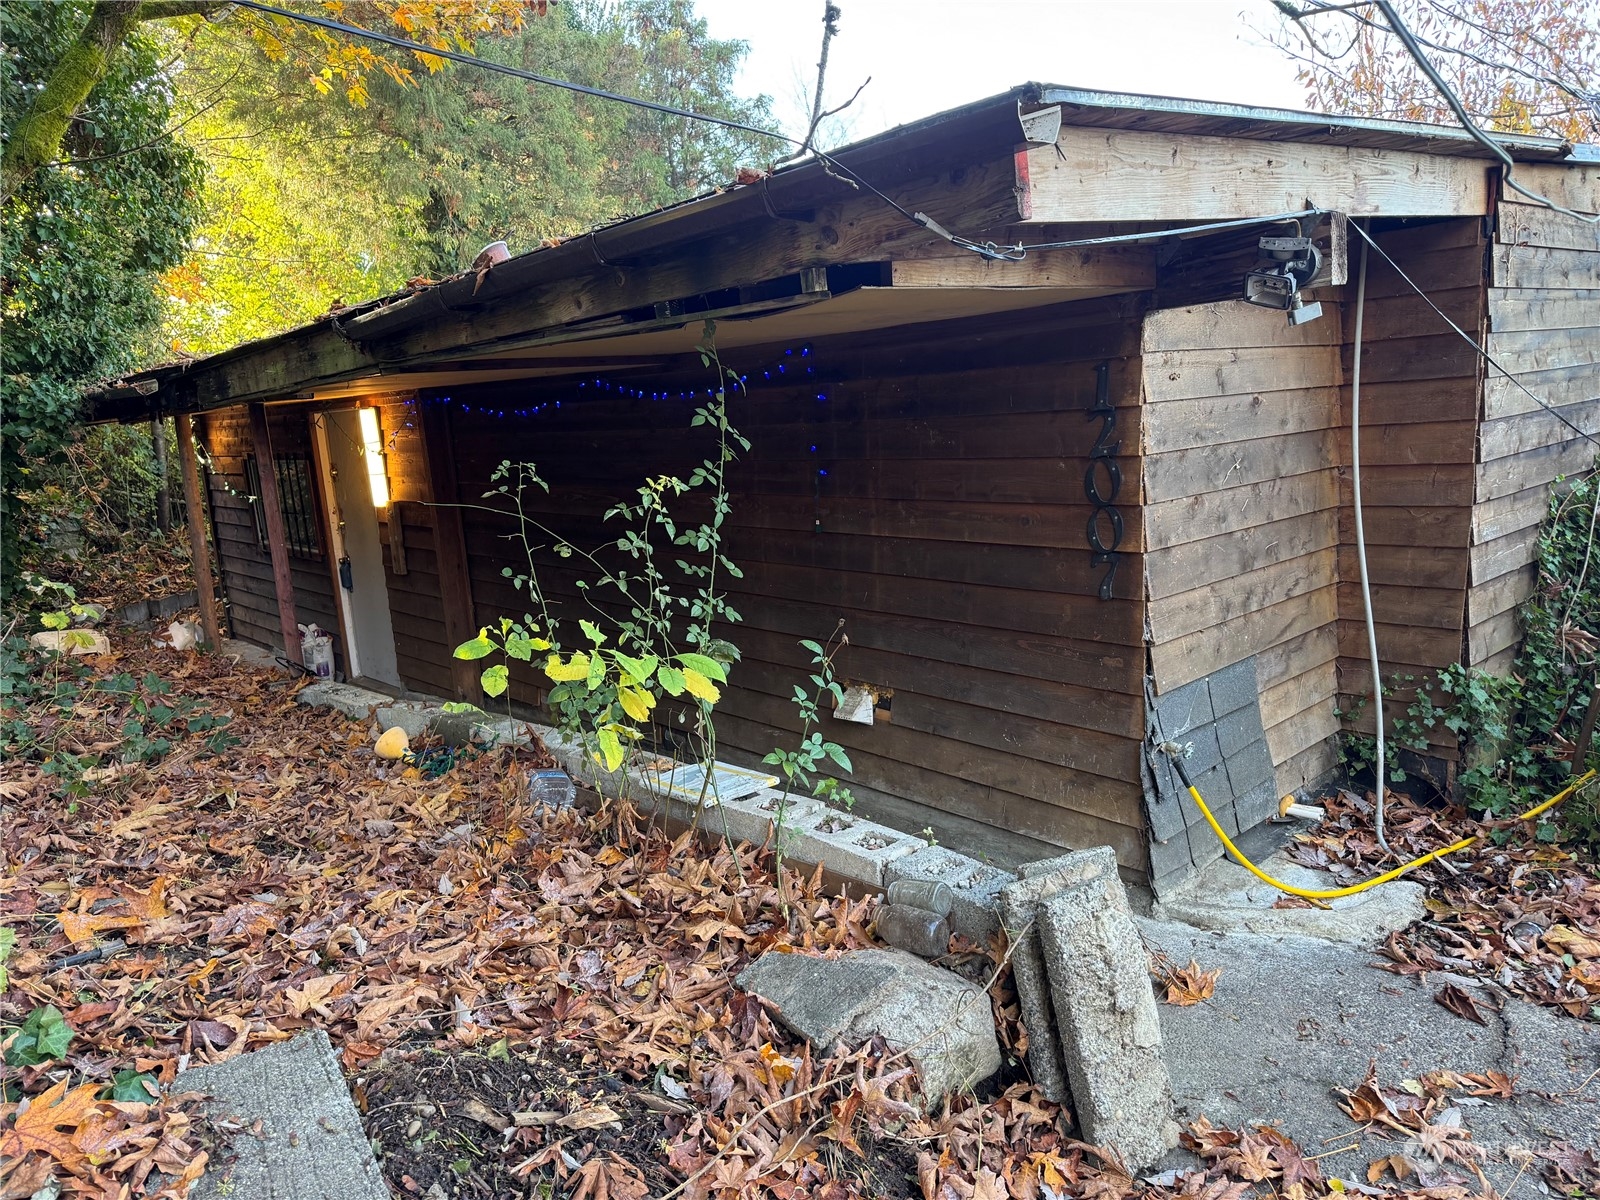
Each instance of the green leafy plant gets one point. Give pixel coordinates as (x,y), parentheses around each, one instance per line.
(799,766)
(43,1036)
(652,638)
(1516,733)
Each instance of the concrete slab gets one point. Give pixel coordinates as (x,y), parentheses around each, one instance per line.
(1293,1018)
(1019,911)
(1226,897)
(943,1022)
(357,703)
(311,1145)
(1106,1020)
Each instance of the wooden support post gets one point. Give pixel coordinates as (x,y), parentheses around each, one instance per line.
(449,543)
(277,538)
(1580,751)
(195,514)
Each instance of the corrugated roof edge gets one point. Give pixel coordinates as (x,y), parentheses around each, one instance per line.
(385,315)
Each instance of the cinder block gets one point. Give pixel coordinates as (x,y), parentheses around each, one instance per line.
(1109,1029)
(976,912)
(850,846)
(1184,709)
(1240,729)
(411,715)
(1233,688)
(1019,909)
(1250,768)
(357,703)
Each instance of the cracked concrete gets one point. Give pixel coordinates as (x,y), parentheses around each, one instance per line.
(1295,1017)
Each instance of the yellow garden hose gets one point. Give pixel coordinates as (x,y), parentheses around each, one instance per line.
(1172,752)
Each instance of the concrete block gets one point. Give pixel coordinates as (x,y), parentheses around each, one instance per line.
(976,911)
(1227,898)
(751,818)
(310,1143)
(1019,910)
(411,715)
(1233,688)
(136,613)
(1250,769)
(1240,729)
(849,846)
(169,605)
(1257,805)
(1186,708)
(1109,1028)
(943,1022)
(78,642)
(357,703)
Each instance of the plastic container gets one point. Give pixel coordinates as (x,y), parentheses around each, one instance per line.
(316,651)
(915,930)
(553,787)
(930,894)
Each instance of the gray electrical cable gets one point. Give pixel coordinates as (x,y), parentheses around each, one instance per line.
(1361,535)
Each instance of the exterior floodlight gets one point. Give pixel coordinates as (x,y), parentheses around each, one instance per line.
(1286,265)
(372,448)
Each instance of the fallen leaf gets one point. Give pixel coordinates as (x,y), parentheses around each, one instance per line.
(1458,1001)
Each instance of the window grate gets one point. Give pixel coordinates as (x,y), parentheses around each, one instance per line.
(296,498)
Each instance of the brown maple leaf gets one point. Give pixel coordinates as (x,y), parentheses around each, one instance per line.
(1460,1002)
(50,1124)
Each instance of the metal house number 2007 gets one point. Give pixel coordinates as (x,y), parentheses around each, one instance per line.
(1102,479)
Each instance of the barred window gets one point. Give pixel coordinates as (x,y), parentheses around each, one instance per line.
(296,497)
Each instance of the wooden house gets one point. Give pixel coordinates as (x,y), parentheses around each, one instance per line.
(1066,501)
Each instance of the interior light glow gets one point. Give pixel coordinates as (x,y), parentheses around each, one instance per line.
(372,447)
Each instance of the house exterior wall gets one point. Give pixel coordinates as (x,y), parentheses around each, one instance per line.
(1543,325)
(934,503)
(246,563)
(1240,477)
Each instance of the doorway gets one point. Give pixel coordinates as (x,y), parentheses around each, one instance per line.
(351,446)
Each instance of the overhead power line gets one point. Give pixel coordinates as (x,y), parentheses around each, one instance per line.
(1409,40)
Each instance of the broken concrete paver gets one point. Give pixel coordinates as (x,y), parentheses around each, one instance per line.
(1106,1019)
(942,1022)
(311,1145)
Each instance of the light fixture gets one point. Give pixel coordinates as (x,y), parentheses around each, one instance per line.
(1286,265)
(372,447)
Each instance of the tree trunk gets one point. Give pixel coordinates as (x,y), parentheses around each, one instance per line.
(36,137)
(158,437)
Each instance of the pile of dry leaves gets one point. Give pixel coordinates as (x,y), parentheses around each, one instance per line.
(123,570)
(1524,916)
(574,969)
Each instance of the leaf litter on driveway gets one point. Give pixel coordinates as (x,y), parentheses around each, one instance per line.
(547,994)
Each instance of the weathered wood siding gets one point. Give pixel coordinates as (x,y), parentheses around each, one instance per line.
(245,562)
(1241,522)
(934,503)
(1543,327)
(1420,386)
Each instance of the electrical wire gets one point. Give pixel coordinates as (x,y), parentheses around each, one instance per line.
(1409,40)
(1466,337)
(1361,537)
(827,160)
(1175,753)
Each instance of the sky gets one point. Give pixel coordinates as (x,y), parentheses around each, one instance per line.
(925,56)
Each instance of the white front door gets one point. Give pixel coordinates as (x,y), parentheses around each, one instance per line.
(357,549)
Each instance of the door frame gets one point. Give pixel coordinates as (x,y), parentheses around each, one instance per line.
(324,466)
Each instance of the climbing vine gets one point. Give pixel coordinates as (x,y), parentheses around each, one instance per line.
(1517,733)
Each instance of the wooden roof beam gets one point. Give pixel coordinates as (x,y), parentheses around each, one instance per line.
(1124,175)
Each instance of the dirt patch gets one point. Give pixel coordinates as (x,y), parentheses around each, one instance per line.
(499,1124)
